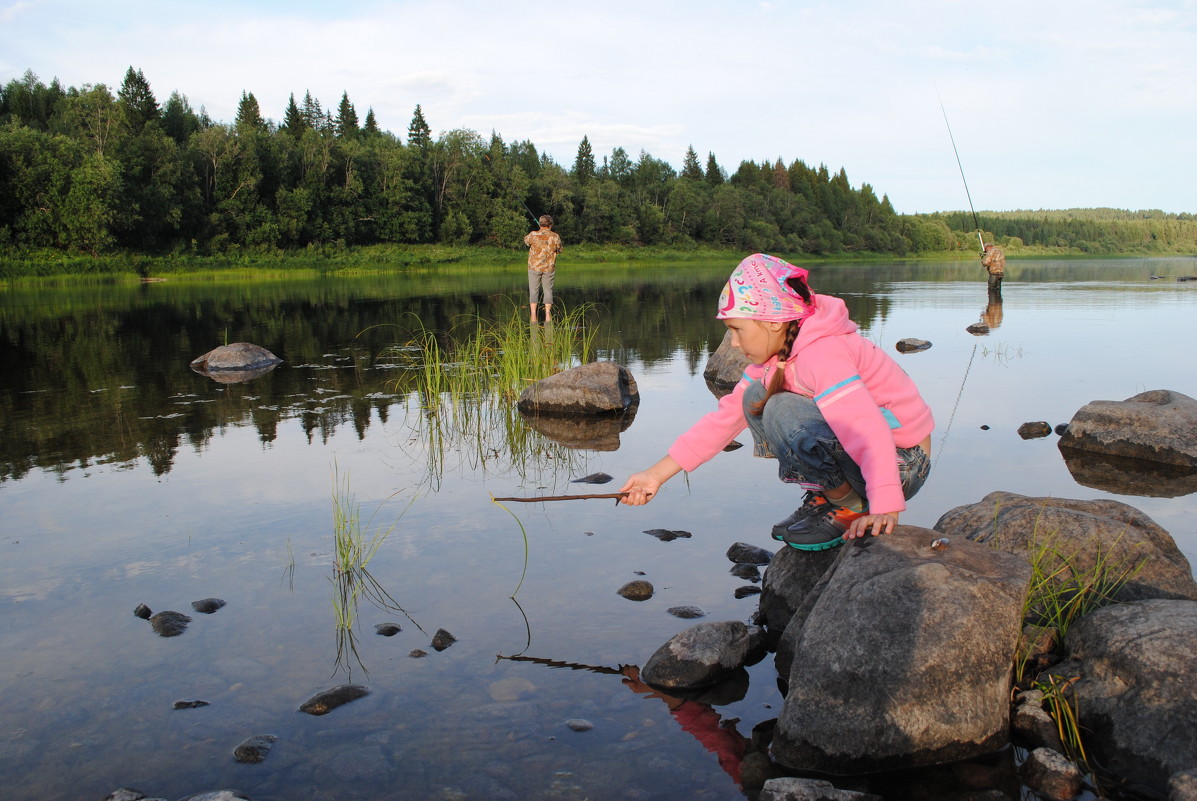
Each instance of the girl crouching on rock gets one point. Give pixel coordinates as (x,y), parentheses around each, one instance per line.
(844,421)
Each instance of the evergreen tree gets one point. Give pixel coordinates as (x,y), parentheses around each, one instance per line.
(249,114)
(621,165)
(178,119)
(371,124)
(137,103)
(312,112)
(345,123)
(584,163)
(293,119)
(714,175)
(418,133)
(690,166)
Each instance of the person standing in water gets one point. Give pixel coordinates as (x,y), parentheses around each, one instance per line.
(543,246)
(844,421)
(994,262)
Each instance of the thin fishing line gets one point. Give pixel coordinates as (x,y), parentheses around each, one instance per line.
(952,138)
(956,405)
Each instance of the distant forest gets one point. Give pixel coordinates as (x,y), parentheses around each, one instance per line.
(84,171)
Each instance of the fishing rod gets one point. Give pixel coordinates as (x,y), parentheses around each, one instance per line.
(961,166)
(535,219)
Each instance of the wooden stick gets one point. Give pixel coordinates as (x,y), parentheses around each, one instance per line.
(616,495)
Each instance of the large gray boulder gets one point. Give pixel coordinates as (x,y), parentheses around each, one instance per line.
(725,367)
(235,363)
(1137,691)
(1075,535)
(595,388)
(905,657)
(703,655)
(789,580)
(1159,426)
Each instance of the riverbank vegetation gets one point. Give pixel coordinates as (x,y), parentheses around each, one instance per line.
(93,181)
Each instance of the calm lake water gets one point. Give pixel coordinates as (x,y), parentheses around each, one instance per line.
(125,478)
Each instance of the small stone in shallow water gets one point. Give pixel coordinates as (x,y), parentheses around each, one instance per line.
(638,590)
(324,702)
(744,554)
(579,724)
(442,640)
(142,611)
(686,612)
(254,749)
(196,704)
(746,572)
(744,592)
(170,624)
(593,478)
(665,535)
(387,629)
(207,606)
(416,653)
(734,445)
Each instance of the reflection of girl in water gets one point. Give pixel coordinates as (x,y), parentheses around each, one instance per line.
(700,720)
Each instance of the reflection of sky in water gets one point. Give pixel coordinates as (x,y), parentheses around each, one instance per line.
(251,523)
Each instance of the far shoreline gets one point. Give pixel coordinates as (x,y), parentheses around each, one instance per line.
(45,267)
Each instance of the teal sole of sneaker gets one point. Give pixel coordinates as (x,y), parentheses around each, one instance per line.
(820,546)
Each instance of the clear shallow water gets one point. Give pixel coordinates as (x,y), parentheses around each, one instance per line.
(128,479)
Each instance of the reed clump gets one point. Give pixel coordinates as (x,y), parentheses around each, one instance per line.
(462,387)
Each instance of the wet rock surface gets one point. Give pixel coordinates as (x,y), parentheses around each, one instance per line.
(207,606)
(1035,430)
(324,702)
(595,388)
(703,655)
(169,624)
(254,749)
(194,704)
(442,640)
(665,535)
(910,345)
(1159,425)
(743,553)
(686,612)
(638,590)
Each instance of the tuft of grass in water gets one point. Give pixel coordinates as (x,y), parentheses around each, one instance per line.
(463,388)
(354,545)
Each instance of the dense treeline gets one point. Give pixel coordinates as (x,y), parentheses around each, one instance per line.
(85,171)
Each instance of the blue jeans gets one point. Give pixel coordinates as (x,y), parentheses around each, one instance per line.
(793,431)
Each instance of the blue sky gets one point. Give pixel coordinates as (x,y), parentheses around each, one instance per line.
(1053,104)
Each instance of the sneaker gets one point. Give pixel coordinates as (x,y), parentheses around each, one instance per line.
(816,525)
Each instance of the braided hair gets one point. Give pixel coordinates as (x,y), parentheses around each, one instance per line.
(777,380)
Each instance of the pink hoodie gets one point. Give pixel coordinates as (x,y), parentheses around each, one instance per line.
(870,402)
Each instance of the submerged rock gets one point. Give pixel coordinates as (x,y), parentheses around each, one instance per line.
(142,611)
(909,345)
(593,478)
(324,702)
(665,535)
(170,624)
(207,606)
(254,749)
(196,704)
(387,629)
(442,640)
(235,363)
(744,554)
(1035,430)
(638,590)
(686,612)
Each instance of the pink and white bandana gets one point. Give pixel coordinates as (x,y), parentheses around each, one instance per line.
(757,290)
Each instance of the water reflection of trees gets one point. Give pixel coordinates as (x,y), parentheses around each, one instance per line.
(100,374)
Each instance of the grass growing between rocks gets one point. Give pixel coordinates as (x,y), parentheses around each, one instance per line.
(1068,581)
(466,388)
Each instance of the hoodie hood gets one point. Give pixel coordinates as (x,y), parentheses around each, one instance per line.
(829,319)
